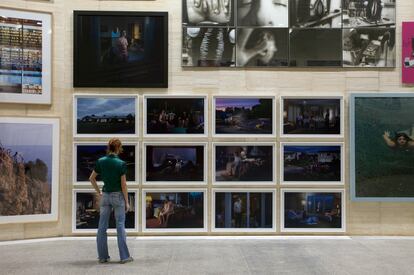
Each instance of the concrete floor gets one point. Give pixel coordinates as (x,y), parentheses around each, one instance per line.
(341,255)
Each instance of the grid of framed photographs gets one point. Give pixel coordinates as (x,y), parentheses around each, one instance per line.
(188,179)
(288,33)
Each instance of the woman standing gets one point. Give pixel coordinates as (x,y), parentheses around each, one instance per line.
(114,195)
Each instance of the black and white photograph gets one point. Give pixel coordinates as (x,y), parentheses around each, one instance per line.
(307,210)
(368,13)
(175,115)
(315,13)
(267,47)
(208,47)
(120,49)
(86,155)
(86,208)
(369,47)
(208,12)
(311,117)
(175,163)
(243,210)
(312,163)
(315,48)
(243,163)
(262,13)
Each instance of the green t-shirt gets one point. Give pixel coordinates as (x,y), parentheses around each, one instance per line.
(111,168)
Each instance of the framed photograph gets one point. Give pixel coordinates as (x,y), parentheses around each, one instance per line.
(236,163)
(312,210)
(174,163)
(25,57)
(208,12)
(312,163)
(370,13)
(315,48)
(120,49)
(369,47)
(208,47)
(315,14)
(175,116)
(263,13)
(242,116)
(262,47)
(85,155)
(29,165)
(244,210)
(105,115)
(319,117)
(382,146)
(408,52)
(86,209)
(174,210)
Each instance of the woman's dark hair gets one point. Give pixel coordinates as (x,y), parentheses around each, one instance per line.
(114,146)
(398,135)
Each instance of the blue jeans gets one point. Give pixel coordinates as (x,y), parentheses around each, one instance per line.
(116,201)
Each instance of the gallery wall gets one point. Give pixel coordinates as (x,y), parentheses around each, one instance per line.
(362,218)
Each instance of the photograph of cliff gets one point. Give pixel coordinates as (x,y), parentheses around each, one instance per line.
(25,169)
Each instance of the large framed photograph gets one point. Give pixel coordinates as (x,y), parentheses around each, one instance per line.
(174,210)
(369,47)
(208,47)
(105,115)
(312,210)
(236,163)
(174,163)
(252,116)
(85,155)
(263,13)
(86,211)
(382,146)
(312,163)
(208,12)
(315,48)
(407,53)
(174,116)
(29,165)
(370,13)
(25,57)
(319,117)
(315,14)
(120,49)
(243,210)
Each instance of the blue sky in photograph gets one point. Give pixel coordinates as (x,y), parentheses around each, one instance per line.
(222,103)
(100,106)
(312,149)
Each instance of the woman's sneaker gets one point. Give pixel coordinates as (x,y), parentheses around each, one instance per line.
(127,260)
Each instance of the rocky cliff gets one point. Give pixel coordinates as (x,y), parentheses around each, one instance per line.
(24,189)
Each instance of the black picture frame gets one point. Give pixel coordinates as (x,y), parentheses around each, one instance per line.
(77,51)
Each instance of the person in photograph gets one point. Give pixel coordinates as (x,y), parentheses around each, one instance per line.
(237,211)
(166,212)
(401,141)
(209,11)
(114,196)
(122,47)
(262,12)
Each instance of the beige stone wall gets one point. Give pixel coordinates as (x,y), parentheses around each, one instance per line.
(362,218)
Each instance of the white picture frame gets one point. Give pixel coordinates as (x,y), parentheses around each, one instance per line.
(283,229)
(311,136)
(164,183)
(175,96)
(260,96)
(248,183)
(102,143)
(110,230)
(174,230)
(312,183)
(46,76)
(109,96)
(54,205)
(243,190)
